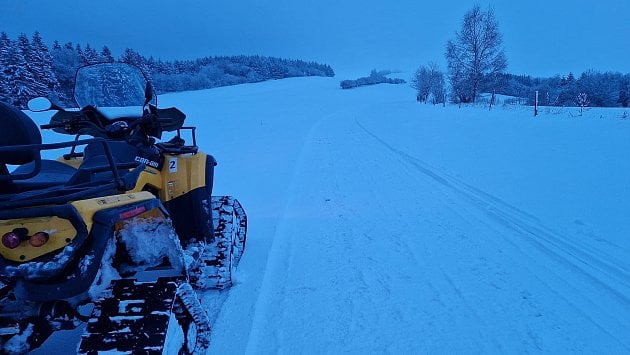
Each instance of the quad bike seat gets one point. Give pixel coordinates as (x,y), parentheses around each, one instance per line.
(52,173)
(51,181)
(16,128)
(95,165)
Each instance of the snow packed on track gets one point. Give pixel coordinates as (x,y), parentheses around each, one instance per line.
(378,224)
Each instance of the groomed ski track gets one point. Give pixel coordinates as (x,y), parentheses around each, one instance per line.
(367,248)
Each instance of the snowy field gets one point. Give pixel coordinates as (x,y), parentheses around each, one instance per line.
(383,225)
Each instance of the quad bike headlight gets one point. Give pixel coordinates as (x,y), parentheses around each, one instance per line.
(38,239)
(11,240)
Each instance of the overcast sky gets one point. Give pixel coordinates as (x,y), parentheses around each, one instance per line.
(541,37)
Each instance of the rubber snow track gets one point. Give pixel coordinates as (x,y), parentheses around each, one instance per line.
(388,255)
(138,316)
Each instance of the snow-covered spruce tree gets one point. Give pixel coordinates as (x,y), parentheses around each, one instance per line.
(89,55)
(106,55)
(568,90)
(21,80)
(602,88)
(40,61)
(475,57)
(5,47)
(136,59)
(79,52)
(65,62)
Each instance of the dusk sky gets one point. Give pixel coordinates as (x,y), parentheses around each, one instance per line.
(541,37)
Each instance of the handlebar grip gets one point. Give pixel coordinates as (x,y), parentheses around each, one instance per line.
(52,125)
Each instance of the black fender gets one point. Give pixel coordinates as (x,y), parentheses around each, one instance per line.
(191,213)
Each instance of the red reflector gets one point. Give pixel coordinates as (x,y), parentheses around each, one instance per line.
(132,213)
(11,240)
(38,239)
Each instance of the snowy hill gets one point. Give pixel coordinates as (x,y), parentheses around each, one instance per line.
(379,224)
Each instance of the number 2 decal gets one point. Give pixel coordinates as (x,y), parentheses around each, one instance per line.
(172,165)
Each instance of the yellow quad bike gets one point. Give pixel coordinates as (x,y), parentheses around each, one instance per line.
(117,235)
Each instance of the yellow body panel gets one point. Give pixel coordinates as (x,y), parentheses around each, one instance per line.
(87,208)
(61,230)
(179,175)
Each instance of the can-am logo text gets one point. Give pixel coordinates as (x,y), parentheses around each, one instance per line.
(147,162)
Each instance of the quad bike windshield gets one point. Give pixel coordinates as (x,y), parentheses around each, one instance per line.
(112,85)
(114,93)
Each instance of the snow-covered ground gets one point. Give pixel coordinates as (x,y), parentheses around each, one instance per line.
(381,225)
(378,224)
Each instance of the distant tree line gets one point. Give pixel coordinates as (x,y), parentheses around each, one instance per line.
(603,89)
(598,89)
(477,64)
(209,72)
(28,69)
(376,77)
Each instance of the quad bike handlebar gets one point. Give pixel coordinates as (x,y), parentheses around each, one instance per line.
(91,121)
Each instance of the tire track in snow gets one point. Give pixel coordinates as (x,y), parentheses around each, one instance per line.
(411,256)
(273,284)
(603,272)
(457,273)
(383,295)
(513,218)
(274,294)
(385,282)
(364,261)
(548,277)
(454,312)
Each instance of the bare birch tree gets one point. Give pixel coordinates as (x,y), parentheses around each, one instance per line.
(429,82)
(475,57)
